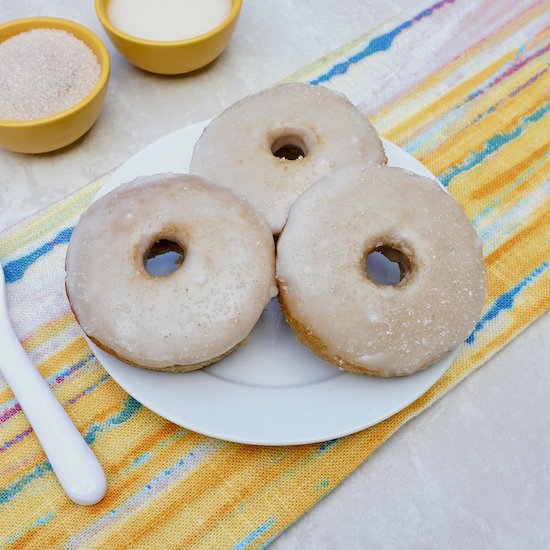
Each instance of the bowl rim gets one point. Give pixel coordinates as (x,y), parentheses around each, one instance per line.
(101,12)
(82,33)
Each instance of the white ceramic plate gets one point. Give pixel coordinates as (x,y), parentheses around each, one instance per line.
(272,391)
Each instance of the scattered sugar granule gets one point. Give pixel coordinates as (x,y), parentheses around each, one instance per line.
(43,72)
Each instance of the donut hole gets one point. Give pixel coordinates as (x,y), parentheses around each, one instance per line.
(387,266)
(163,258)
(289,147)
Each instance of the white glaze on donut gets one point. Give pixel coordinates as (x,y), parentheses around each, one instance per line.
(348,319)
(236,148)
(196,314)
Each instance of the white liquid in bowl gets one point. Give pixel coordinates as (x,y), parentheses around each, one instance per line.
(168,20)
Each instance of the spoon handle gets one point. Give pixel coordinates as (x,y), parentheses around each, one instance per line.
(73,462)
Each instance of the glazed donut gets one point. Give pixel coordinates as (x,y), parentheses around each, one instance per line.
(348,319)
(195,315)
(271,146)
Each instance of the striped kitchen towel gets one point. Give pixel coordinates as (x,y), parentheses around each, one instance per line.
(462,85)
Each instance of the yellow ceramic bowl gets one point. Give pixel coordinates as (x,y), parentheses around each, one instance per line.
(47,134)
(170,57)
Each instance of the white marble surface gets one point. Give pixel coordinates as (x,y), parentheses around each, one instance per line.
(474,470)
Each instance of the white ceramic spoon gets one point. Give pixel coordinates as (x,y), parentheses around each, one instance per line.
(73,462)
